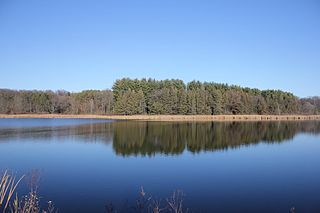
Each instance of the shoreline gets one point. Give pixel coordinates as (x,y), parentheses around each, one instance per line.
(172,117)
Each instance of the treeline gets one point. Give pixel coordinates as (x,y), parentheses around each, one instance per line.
(149,96)
(175,97)
(27,101)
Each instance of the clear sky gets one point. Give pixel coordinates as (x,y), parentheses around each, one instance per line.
(76,45)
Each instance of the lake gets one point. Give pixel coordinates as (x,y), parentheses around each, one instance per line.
(84,165)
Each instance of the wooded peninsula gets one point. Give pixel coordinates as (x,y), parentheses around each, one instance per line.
(159,97)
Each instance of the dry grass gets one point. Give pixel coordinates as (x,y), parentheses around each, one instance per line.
(8,185)
(147,204)
(28,204)
(31,204)
(175,117)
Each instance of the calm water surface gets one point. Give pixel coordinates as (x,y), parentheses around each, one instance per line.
(221,167)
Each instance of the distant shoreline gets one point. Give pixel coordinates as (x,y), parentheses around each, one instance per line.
(173,117)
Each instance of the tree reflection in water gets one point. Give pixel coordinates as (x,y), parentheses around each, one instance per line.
(170,138)
(149,138)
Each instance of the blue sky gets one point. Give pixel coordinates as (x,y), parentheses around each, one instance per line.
(76,45)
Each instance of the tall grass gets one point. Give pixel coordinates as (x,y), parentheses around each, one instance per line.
(8,185)
(29,203)
(145,203)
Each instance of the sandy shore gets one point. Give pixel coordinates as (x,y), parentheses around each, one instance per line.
(174,117)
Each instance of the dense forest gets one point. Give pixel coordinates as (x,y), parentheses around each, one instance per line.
(149,96)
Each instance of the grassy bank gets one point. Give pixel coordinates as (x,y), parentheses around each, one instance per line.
(173,117)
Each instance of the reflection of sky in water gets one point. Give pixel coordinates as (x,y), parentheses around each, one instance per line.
(35,122)
(83,177)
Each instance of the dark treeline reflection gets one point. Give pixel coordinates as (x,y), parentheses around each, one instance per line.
(149,138)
